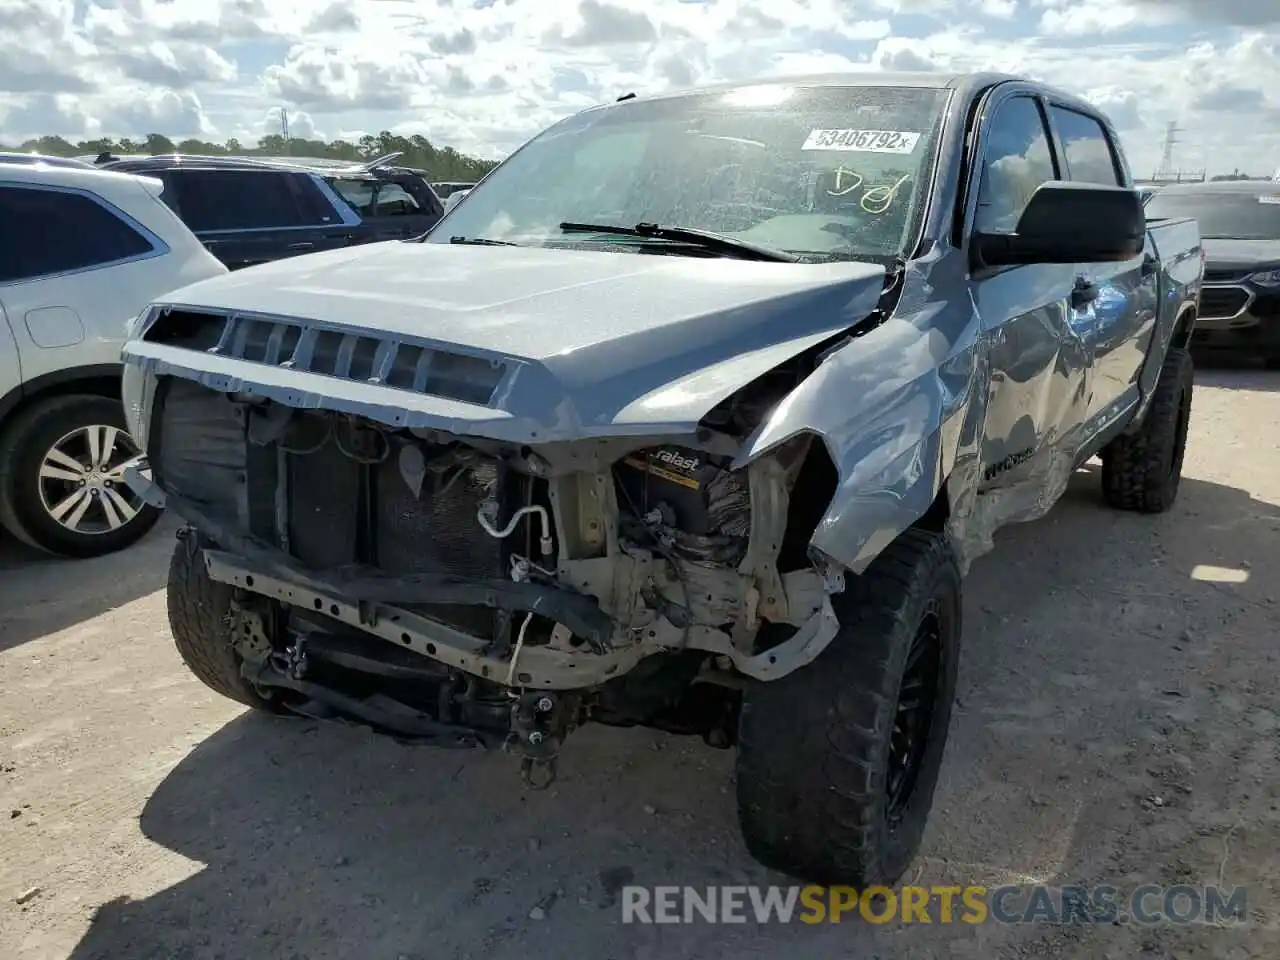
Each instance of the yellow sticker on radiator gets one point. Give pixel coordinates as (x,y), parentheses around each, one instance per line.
(658,471)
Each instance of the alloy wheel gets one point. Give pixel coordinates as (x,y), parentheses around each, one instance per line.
(82,483)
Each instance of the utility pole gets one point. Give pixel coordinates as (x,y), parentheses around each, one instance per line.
(284,128)
(1166,156)
(1167,173)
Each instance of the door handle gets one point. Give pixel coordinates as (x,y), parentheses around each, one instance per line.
(1083,293)
(301,246)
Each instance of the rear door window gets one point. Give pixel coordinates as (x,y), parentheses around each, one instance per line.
(48,232)
(213,200)
(1087,148)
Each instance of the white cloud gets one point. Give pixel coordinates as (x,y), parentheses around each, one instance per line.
(998,9)
(483,78)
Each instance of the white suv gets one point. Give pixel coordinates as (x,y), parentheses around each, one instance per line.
(82,252)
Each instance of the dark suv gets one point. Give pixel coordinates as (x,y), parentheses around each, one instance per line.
(1240,226)
(251,210)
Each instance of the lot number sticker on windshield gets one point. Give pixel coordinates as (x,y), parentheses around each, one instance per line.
(862,141)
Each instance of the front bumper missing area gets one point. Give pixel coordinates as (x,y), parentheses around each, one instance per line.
(370,602)
(543,668)
(546,668)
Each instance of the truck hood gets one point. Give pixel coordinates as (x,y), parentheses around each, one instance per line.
(1241,254)
(587,343)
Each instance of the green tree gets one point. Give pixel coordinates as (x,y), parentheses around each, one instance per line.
(437,162)
(158,144)
(95,147)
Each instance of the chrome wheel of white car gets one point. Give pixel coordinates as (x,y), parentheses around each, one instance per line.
(62,478)
(82,480)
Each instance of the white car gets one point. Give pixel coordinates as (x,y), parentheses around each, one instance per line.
(82,252)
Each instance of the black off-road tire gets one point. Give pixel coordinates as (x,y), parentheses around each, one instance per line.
(1141,471)
(200,618)
(813,768)
(23,445)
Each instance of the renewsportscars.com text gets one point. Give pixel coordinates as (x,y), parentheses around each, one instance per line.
(1146,905)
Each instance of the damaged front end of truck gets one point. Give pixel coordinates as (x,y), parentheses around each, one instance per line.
(402,543)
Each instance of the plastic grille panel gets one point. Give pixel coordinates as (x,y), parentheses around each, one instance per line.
(367,358)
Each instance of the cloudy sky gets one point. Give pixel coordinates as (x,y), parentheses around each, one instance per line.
(483,75)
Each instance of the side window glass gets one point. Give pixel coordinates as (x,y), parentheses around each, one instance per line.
(357,193)
(241,200)
(1018,159)
(1087,148)
(394,201)
(50,231)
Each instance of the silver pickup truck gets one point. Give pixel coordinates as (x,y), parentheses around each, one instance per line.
(692,416)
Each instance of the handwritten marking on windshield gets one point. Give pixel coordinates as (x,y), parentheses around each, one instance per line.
(876,200)
(862,141)
(840,189)
(880,199)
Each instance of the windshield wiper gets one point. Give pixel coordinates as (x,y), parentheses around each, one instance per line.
(698,238)
(483,242)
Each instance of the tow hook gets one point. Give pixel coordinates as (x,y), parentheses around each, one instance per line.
(535,720)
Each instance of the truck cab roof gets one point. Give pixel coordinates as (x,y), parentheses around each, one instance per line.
(968,84)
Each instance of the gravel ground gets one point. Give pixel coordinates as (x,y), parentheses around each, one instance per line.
(1117,723)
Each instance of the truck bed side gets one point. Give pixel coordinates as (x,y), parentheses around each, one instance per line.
(1177,249)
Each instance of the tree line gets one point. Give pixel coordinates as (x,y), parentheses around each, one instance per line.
(441,163)
(1236,175)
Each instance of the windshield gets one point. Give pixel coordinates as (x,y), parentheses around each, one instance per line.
(822,172)
(1223,216)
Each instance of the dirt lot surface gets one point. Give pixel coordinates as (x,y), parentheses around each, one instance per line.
(1118,723)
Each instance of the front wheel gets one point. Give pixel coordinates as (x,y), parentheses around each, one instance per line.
(62,478)
(838,761)
(202,620)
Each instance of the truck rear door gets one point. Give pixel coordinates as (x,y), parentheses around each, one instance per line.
(1124,303)
(1038,339)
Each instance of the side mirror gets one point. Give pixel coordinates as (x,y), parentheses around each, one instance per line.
(1070,223)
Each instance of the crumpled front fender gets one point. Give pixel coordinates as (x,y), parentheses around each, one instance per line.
(898,410)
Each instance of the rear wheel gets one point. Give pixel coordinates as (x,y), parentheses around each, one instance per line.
(838,761)
(1141,471)
(203,621)
(62,484)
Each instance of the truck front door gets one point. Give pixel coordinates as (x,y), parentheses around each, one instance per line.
(1039,339)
